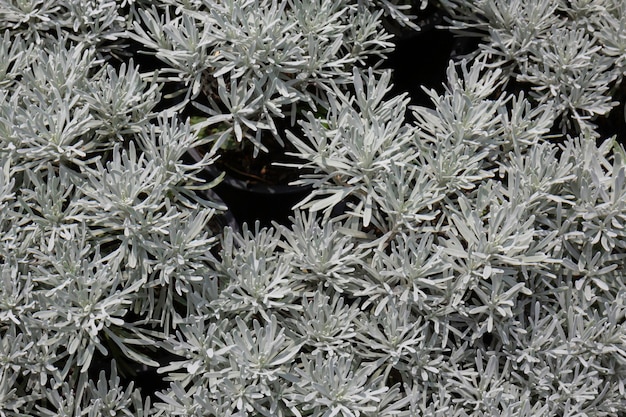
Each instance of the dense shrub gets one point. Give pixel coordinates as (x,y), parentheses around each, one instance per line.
(463,258)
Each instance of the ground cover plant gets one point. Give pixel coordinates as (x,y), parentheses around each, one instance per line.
(464,258)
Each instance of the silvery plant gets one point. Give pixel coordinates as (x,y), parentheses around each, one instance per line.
(461,259)
(249,64)
(569,53)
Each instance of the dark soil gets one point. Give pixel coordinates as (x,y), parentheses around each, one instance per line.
(262,169)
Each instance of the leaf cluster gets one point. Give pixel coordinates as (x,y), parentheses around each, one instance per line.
(459,259)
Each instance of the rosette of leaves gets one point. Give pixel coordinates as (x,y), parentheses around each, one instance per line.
(355,148)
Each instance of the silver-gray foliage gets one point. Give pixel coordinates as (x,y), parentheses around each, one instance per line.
(461,259)
(263,60)
(570,52)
